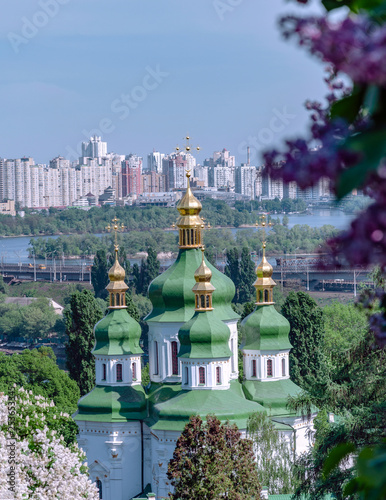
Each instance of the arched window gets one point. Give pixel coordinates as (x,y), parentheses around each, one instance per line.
(266,296)
(269,368)
(254,371)
(260,295)
(186,375)
(197,304)
(104,371)
(192,242)
(174,358)
(202,298)
(182,238)
(117,299)
(156,368)
(283,367)
(119,372)
(201,375)
(207,301)
(112,300)
(98,484)
(134,370)
(218,375)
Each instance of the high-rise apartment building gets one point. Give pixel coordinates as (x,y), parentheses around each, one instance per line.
(174,168)
(245,180)
(131,175)
(154,162)
(95,148)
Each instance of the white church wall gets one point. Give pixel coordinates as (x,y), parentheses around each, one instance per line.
(233,346)
(114,456)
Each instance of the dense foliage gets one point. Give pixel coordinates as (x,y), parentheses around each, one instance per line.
(37,370)
(36,320)
(81,317)
(211,461)
(274,461)
(307,359)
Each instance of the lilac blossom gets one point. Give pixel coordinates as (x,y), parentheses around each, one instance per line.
(355,46)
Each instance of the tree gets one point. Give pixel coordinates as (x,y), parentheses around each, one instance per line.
(232,268)
(99,274)
(211,461)
(308,367)
(247,276)
(132,308)
(274,458)
(80,320)
(35,460)
(36,370)
(3,286)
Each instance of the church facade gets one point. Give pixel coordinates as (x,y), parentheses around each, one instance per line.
(129,433)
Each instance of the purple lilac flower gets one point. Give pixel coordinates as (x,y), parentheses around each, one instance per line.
(353,46)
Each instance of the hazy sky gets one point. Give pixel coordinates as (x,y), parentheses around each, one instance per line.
(146,72)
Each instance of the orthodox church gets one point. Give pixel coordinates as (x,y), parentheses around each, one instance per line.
(129,432)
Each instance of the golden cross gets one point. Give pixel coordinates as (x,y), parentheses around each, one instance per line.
(187,147)
(117,228)
(263,226)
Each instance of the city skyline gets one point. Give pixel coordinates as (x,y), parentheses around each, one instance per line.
(141,71)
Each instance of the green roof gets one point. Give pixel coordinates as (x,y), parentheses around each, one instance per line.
(171,292)
(265,329)
(204,336)
(171,407)
(117,333)
(271,395)
(113,404)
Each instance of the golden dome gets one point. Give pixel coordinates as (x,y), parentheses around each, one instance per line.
(203,275)
(189,205)
(264,272)
(117,273)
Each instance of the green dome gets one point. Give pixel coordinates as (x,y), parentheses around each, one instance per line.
(170,407)
(204,336)
(265,329)
(117,334)
(171,292)
(112,404)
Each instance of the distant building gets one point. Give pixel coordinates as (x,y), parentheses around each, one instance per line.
(8,208)
(131,175)
(95,148)
(154,162)
(245,180)
(108,197)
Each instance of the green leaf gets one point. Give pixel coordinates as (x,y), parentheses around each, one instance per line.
(336,455)
(372,146)
(371,99)
(337,4)
(348,107)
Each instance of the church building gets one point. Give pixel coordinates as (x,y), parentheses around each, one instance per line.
(129,432)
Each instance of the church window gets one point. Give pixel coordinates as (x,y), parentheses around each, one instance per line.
(104,371)
(186,375)
(112,301)
(119,372)
(254,371)
(283,367)
(207,301)
(183,238)
(187,237)
(156,368)
(192,242)
(218,375)
(202,297)
(197,304)
(134,370)
(201,375)
(260,295)
(98,484)
(266,296)
(269,368)
(117,298)
(174,358)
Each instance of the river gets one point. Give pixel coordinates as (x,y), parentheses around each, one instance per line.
(15,249)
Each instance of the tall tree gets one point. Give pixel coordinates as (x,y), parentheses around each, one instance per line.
(211,461)
(232,269)
(247,276)
(151,270)
(99,274)
(80,319)
(274,458)
(308,366)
